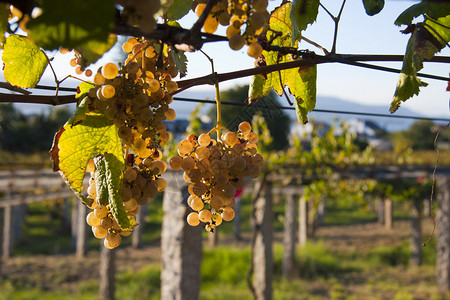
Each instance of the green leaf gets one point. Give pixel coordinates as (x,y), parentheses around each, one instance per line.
(304,89)
(83,89)
(72,23)
(85,136)
(303,13)
(4,25)
(93,50)
(113,179)
(440,29)
(101,187)
(179,9)
(301,81)
(373,7)
(433,9)
(421,45)
(24,62)
(256,87)
(180,60)
(280,22)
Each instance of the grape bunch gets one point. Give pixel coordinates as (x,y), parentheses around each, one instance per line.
(136,97)
(215,169)
(139,184)
(245,20)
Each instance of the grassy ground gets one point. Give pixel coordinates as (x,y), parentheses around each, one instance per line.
(351,257)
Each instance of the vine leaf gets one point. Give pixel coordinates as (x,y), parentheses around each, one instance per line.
(373,7)
(423,44)
(301,81)
(178,56)
(93,50)
(305,92)
(303,13)
(440,29)
(101,188)
(85,136)
(255,90)
(83,89)
(4,25)
(71,23)
(180,61)
(111,168)
(24,62)
(179,9)
(433,9)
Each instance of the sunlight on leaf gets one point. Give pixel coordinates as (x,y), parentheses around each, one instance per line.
(85,136)
(24,61)
(71,23)
(4,25)
(303,13)
(301,81)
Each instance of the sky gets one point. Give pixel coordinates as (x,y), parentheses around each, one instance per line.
(358,34)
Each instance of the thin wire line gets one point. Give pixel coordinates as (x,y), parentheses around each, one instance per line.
(275,107)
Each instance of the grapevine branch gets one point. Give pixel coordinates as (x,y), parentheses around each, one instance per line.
(195,30)
(433,183)
(182,39)
(309,60)
(336,23)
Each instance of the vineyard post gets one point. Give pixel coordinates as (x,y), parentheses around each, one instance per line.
(7,236)
(303,222)
(388,209)
(107,272)
(290,229)
(443,234)
(262,250)
(181,244)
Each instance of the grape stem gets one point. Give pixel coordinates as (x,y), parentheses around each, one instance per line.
(137,52)
(218,128)
(55,100)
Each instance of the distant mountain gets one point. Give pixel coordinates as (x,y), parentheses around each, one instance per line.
(323,103)
(387,123)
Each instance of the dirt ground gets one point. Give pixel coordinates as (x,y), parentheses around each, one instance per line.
(46,271)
